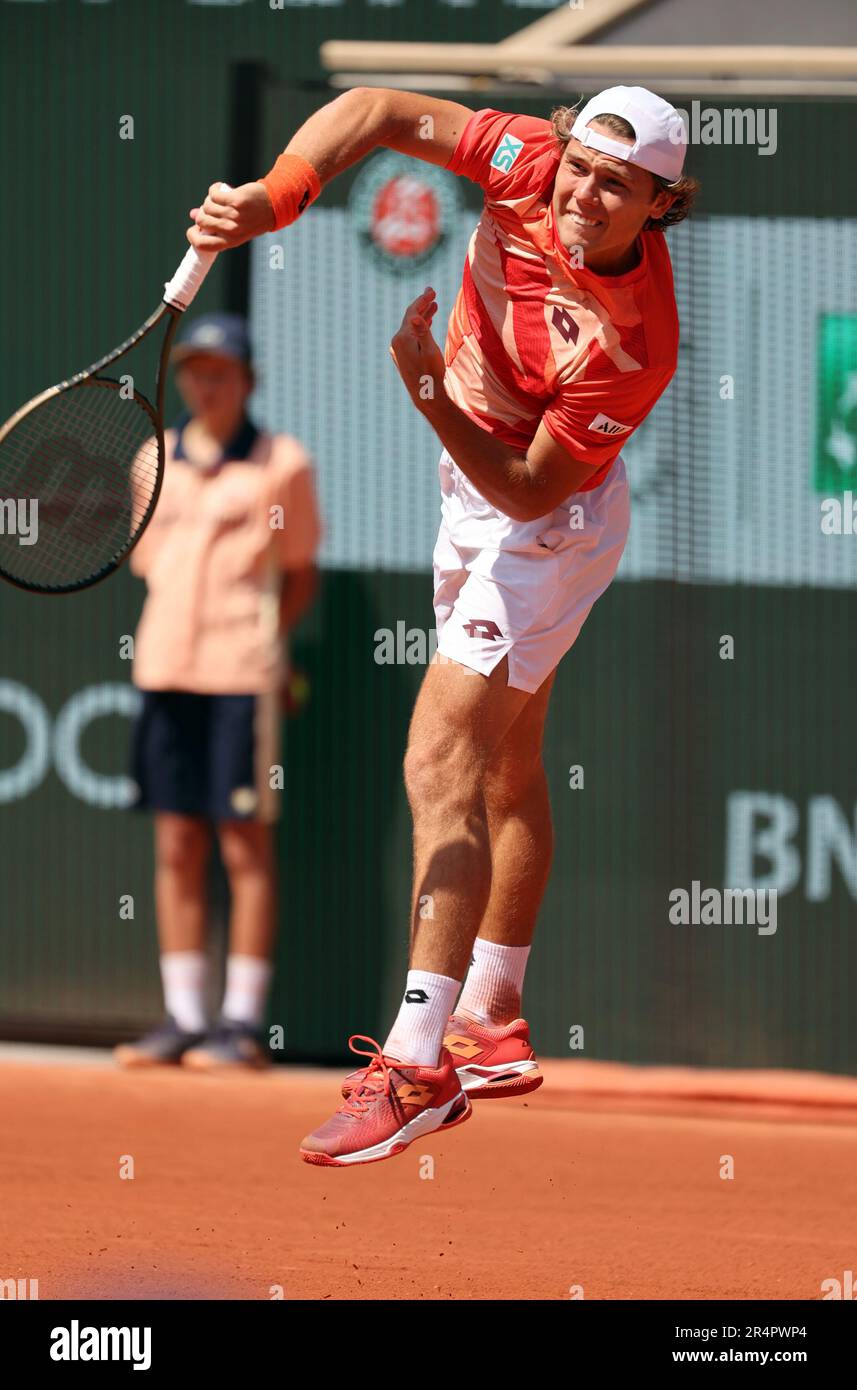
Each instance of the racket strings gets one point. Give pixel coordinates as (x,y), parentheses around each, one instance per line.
(77,478)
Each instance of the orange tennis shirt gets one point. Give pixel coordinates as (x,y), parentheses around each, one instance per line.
(213,557)
(531,337)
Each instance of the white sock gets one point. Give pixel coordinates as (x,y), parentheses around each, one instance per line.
(495,981)
(183,976)
(417,1034)
(247,981)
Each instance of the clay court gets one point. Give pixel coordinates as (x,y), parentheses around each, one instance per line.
(607,1179)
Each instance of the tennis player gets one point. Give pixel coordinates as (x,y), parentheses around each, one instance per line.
(229,564)
(563,336)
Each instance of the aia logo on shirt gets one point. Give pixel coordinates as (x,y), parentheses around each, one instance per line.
(506,153)
(483,627)
(602,424)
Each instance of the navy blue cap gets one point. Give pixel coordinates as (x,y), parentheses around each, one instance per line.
(222,334)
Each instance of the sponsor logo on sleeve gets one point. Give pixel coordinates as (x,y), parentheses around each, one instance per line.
(506,153)
(602,424)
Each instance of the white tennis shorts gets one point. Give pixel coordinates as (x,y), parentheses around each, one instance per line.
(522,589)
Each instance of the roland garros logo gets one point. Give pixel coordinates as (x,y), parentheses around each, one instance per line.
(402,214)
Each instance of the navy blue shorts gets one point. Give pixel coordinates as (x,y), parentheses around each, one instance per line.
(206,755)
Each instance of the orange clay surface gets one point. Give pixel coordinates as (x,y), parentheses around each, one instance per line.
(607,1178)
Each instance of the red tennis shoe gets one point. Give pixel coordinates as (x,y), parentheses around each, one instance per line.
(389,1105)
(491,1062)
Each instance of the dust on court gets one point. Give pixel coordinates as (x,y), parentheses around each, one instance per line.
(617,1195)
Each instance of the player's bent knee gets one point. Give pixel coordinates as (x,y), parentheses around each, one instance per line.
(438,772)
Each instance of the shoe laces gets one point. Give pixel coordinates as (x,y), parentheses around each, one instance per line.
(364,1093)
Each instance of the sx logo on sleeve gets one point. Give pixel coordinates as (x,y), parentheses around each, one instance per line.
(506,153)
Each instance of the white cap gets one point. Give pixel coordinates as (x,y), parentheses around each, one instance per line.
(661,136)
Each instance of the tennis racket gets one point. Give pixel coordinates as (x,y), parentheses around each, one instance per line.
(81,464)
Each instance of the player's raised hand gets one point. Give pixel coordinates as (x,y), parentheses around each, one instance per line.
(419,360)
(231,216)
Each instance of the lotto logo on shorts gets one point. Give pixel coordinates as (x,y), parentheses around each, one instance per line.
(506,153)
(484,628)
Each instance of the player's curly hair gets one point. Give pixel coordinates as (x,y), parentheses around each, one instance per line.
(685,189)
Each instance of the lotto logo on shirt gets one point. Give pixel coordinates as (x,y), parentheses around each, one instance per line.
(506,153)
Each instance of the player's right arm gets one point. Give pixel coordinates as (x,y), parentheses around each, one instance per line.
(331,140)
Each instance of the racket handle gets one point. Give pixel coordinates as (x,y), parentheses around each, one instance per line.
(180,291)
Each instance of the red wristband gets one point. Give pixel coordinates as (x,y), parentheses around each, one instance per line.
(292,185)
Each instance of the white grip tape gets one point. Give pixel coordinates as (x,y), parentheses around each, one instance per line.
(180,291)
